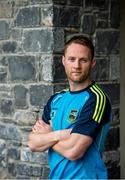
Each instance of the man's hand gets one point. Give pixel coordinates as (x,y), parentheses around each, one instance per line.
(61,135)
(41,127)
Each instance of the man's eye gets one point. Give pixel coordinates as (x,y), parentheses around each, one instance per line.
(71,59)
(83,60)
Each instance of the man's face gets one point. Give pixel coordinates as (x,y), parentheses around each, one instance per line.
(77,63)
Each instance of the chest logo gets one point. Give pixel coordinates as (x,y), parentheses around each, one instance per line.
(72,115)
(53,113)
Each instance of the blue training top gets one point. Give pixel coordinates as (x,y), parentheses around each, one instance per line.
(87,112)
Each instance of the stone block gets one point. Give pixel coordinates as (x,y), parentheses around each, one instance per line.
(20,93)
(5,91)
(46,63)
(29,170)
(9,47)
(3,61)
(75,2)
(102,20)
(113,91)
(22,68)
(39,94)
(88,24)
(28,17)
(102,24)
(107,42)
(51,69)
(47,15)
(4,30)
(115,68)
(116,116)
(115,14)
(2,153)
(114,172)
(9,132)
(12,168)
(61,2)
(101,70)
(19,3)
(46,171)
(3,74)
(88,4)
(6,9)
(113,139)
(16,34)
(111,158)
(58,70)
(13,153)
(66,16)
(39,40)
(24,118)
(60,87)
(96,5)
(102,4)
(58,37)
(6,107)
(41,2)
(33,157)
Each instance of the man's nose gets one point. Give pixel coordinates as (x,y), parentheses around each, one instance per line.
(77,64)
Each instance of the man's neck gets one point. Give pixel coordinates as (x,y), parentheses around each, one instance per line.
(79,86)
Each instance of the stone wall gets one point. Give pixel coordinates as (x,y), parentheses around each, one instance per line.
(32,35)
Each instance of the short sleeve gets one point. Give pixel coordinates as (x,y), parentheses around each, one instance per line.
(47,109)
(94,114)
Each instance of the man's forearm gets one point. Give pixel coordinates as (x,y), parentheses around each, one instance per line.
(74,147)
(41,142)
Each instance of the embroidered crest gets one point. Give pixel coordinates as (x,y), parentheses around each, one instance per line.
(53,113)
(72,116)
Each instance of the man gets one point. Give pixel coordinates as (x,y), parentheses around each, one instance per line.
(75,121)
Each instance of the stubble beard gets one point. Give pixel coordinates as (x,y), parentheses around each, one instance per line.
(79,80)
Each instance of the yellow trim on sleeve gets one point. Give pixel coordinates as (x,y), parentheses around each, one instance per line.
(100,103)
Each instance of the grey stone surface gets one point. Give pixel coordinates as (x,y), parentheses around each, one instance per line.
(13,153)
(89,24)
(107,42)
(20,97)
(47,15)
(6,107)
(58,37)
(28,17)
(46,63)
(24,118)
(37,157)
(112,142)
(58,70)
(4,29)
(26,169)
(66,16)
(115,67)
(39,40)
(32,36)
(115,12)
(22,68)
(39,94)
(10,132)
(101,70)
(9,47)
(3,74)
(113,90)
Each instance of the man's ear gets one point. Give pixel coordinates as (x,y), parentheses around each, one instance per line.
(93,63)
(63,59)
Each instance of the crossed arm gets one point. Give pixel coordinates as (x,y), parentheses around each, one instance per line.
(70,145)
